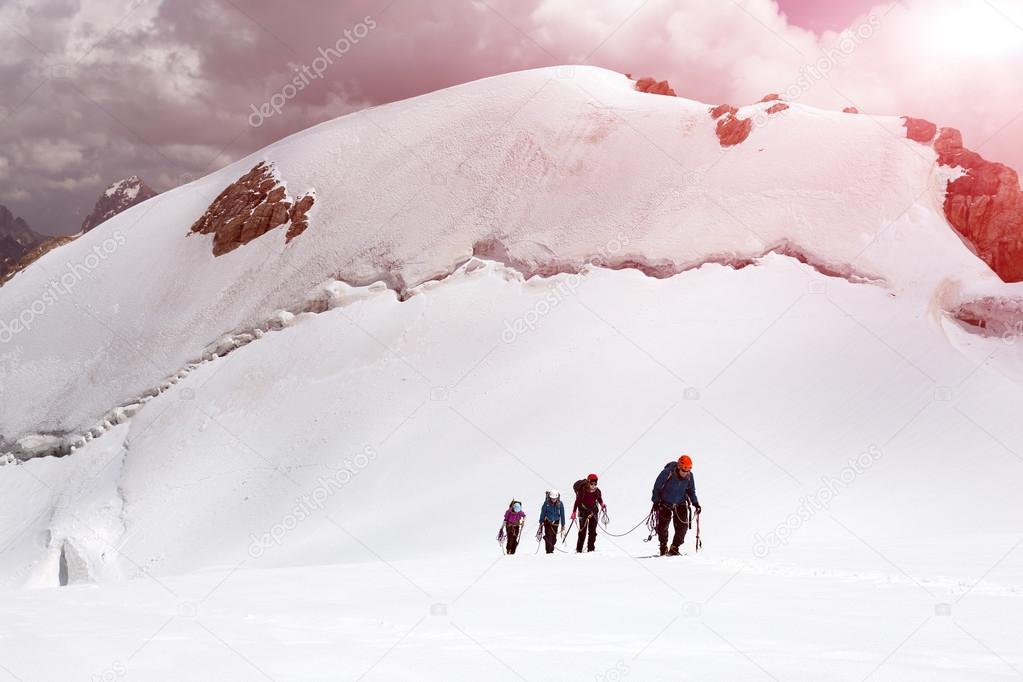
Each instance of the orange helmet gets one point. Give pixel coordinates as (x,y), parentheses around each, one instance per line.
(685,462)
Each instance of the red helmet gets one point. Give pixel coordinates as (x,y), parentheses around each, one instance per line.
(592,478)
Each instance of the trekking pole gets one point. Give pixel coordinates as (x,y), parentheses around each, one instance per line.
(699,543)
(567,530)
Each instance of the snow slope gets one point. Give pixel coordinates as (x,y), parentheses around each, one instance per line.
(386,436)
(545,168)
(321,501)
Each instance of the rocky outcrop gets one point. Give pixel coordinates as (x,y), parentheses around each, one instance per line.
(250,207)
(299,217)
(35,254)
(850,110)
(118,197)
(654,86)
(16,239)
(772,97)
(984,205)
(731,130)
(722,109)
(780,106)
(919,129)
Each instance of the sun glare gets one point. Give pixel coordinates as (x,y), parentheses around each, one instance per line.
(975,29)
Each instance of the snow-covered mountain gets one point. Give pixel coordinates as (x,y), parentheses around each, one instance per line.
(118,197)
(352,348)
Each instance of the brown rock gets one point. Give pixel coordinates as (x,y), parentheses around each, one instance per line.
(249,208)
(985,205)
(722,109)
(732,130)
(299,221)
(771,97)
(919,129)
(654,87)
(780,106)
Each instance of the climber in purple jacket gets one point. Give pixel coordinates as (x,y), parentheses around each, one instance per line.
(514,519)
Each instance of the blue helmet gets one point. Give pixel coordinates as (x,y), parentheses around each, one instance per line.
(517,507)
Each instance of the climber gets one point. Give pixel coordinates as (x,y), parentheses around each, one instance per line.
(673,491)
(514,518)
(552,514)
(588,501)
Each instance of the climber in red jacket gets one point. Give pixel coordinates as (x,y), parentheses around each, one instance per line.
(588,501)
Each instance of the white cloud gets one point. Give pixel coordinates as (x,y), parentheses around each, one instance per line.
(52,156)
(93,181)
(15,194)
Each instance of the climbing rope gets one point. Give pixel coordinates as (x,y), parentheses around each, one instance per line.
(645,520)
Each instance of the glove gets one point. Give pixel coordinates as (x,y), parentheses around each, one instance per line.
(603,507)
(573,516)
(698,508)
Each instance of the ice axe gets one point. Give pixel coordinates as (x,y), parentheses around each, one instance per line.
(565,534)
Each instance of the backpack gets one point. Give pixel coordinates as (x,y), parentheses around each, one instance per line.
(579,485)
(671,474)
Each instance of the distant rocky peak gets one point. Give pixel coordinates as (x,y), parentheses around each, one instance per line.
(118,197)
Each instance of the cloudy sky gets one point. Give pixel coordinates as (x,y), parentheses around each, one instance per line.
(95,90)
